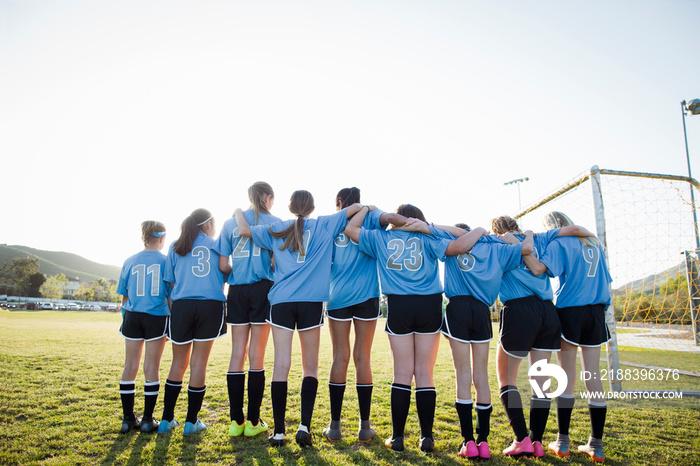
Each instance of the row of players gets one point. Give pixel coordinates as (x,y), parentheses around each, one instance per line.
(280,273)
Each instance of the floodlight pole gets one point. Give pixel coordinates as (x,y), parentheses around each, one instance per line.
(692,194)
(691,257)
(517,182)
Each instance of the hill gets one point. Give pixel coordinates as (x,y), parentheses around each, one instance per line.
(55,262)
(650,283)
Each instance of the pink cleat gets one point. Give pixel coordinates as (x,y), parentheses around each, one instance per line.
(469,450)
(484,451)
(537,449)
(522,448)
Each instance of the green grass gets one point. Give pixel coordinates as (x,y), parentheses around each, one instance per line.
(59,404)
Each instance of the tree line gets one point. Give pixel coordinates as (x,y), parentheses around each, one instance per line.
(23,278)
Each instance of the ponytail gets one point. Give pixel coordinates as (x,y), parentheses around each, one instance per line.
(505,224)
(301,205)
(189,230)
(347,197)
(257,193)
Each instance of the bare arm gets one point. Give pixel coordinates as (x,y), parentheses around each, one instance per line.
(124,299)
(574,230)
(454,231)
(354,226)
(224,265)
(241,223)
(465,242)
(355,208)
(395,219)
(528,243)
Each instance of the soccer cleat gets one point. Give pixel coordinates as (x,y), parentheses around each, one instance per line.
(149,426)
(129,425)
(333,435)
(166,426)
(522,448)
(236,429)
(537,449)
(276,440)
(560,447)
(426,444)
(395,443)
(366,434)
(190,428)
(484,451)
(303,438)
(469,450)
(252,430)
(594,449)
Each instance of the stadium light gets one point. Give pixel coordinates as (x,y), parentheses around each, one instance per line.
(517,182)
(693,107)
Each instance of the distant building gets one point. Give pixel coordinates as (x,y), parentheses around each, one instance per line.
(71,287)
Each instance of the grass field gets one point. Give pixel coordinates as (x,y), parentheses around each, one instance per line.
(59,404)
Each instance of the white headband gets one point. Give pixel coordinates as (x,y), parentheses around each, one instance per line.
(200,224)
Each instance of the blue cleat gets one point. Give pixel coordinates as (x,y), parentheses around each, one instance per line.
(166,426)
(194,428)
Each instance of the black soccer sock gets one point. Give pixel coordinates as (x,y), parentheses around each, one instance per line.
(464,412)
(150,396)
(309,388)
(565,406)
(598,411)
(195,396)
(400,403)
(235,382)
(425,406)
(336,392)
(364,398)
(256,390)
(513,405)
(127,391)
(172,391)
(483,421)
(278,394)
(539,412)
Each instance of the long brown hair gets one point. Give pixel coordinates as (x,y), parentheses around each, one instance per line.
(257,193)
(505,224)
(189,230)
(410,211)
(301,204)
(347,197)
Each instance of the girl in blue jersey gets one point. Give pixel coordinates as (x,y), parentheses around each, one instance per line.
(250,276)
(529,325)
(146,311)
(581,298)
(303,252)
(353,301)
(472,282)
(198,315)
(408,270)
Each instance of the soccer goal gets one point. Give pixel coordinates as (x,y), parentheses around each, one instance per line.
(648,225)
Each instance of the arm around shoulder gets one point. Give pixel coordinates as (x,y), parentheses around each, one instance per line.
(465,242)
(242,223)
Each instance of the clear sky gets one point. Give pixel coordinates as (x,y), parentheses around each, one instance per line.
(115,112)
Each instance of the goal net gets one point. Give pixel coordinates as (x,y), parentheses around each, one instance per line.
(646,222)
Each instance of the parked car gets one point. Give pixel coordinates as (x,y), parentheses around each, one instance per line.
(112,308)
(60,307)
(32,306)
(73,307)
(46,306)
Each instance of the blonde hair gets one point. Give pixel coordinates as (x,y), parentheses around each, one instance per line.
(557,219)
(301,204)
(149,228)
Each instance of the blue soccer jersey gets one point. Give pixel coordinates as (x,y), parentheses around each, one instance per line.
(250,263)
(520,282)
(195,275)
(302,277)
(141,280)
(407,262)
(478,273)
(583,276)
(354,276)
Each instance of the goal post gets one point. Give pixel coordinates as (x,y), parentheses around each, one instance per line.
(646,223)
